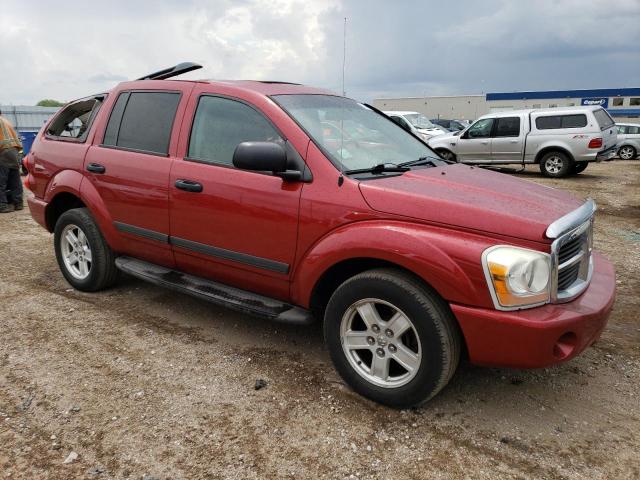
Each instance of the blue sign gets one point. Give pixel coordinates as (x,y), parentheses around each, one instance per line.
(595,102)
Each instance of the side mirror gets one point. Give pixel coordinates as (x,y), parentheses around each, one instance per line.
(260,156)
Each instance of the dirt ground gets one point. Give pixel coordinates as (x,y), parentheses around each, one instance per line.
(141,382)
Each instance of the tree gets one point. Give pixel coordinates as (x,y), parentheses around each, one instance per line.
(47,102)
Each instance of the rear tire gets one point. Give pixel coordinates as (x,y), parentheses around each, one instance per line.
(580,167)
(84,257)
(627,152)
(392,338)
(556,165)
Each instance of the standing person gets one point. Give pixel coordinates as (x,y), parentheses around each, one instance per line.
(10,180)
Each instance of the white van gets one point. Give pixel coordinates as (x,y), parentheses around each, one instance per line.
(561,140)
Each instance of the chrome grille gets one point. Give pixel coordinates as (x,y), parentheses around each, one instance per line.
(571,254)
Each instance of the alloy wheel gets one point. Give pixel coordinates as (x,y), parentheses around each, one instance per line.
(626,153)
(381,343)
(76,252)
(553,164)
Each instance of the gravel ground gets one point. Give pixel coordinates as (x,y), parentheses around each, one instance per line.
(140,382)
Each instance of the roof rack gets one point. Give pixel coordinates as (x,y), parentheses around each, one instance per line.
(179,69)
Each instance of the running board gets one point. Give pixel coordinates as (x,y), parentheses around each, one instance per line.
(215,292)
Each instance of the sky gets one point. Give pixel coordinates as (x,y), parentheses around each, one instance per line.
(393,48)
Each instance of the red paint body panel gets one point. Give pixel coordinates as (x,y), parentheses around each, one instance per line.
(526,338)
(435,222)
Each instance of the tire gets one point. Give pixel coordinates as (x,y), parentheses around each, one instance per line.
(78,239)
(430,344)
(556,165)
(579,167)
(447,155)
(627,152)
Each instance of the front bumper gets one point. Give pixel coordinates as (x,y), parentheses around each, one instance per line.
(540,336)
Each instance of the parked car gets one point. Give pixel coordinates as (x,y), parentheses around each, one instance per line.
(416,123)
(561,140)
(628,140)
(237,193)
(451,125)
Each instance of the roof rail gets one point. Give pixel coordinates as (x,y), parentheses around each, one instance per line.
(179,69)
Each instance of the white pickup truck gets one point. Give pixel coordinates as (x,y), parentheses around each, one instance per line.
(561,140)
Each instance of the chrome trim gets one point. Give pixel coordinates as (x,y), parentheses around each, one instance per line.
(492,290)
(585,230)
(572,219)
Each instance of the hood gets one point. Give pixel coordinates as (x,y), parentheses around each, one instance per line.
(431,131)
(473,198)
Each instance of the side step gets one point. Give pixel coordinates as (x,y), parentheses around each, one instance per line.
(215,292)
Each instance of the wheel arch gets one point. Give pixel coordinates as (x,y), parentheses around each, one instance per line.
(553,148)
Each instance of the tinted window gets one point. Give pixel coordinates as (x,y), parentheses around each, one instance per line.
(561,121)
(220,125)
(633,130)
(73,121)
(634,101)
(481,129)
(603,118)
(145,122)
(508,127)
(617,102)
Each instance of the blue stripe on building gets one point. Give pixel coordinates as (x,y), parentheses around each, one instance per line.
(623,112)
(599,92)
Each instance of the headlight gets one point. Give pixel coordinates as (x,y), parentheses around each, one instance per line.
(517,277)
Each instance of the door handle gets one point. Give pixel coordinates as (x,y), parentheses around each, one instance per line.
(189,186)
(96,168)
(486,142)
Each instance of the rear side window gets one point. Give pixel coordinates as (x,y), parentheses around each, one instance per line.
(551,122)
(633,130)
(221,124)
(507,127)
(603,119)
(142,121)
(73,122)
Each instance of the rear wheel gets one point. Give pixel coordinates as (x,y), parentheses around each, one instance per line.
(84,257)
(556,165)
(627,152)
(391,338)
(579,167)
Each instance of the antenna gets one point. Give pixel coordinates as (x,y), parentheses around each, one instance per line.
(344,54)
(344,93)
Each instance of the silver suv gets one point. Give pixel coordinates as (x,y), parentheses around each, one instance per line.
(561,140)
(628,140)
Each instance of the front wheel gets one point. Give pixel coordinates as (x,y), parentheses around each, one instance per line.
(391,338)
(447,155)
(627,152)
(84,257)
(556,165)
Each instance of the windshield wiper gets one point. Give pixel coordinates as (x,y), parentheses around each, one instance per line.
(380,168)
(420,161)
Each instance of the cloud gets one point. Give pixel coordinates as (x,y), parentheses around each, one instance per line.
(411,47)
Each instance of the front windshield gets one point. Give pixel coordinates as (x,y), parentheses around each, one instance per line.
(354,136)
(418,120)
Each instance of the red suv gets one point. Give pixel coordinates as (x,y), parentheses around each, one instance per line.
(293,203)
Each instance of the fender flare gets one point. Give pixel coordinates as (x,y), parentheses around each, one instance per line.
(421,249)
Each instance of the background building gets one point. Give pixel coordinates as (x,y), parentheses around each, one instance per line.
(27,120)
(622,103)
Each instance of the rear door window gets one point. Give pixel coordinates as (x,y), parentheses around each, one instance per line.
(142,121)
(507,127)
(603,118)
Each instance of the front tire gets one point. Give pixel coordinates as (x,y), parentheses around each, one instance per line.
(556,165)
(84,257)
(447,155)
(627,152)
(391,338)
